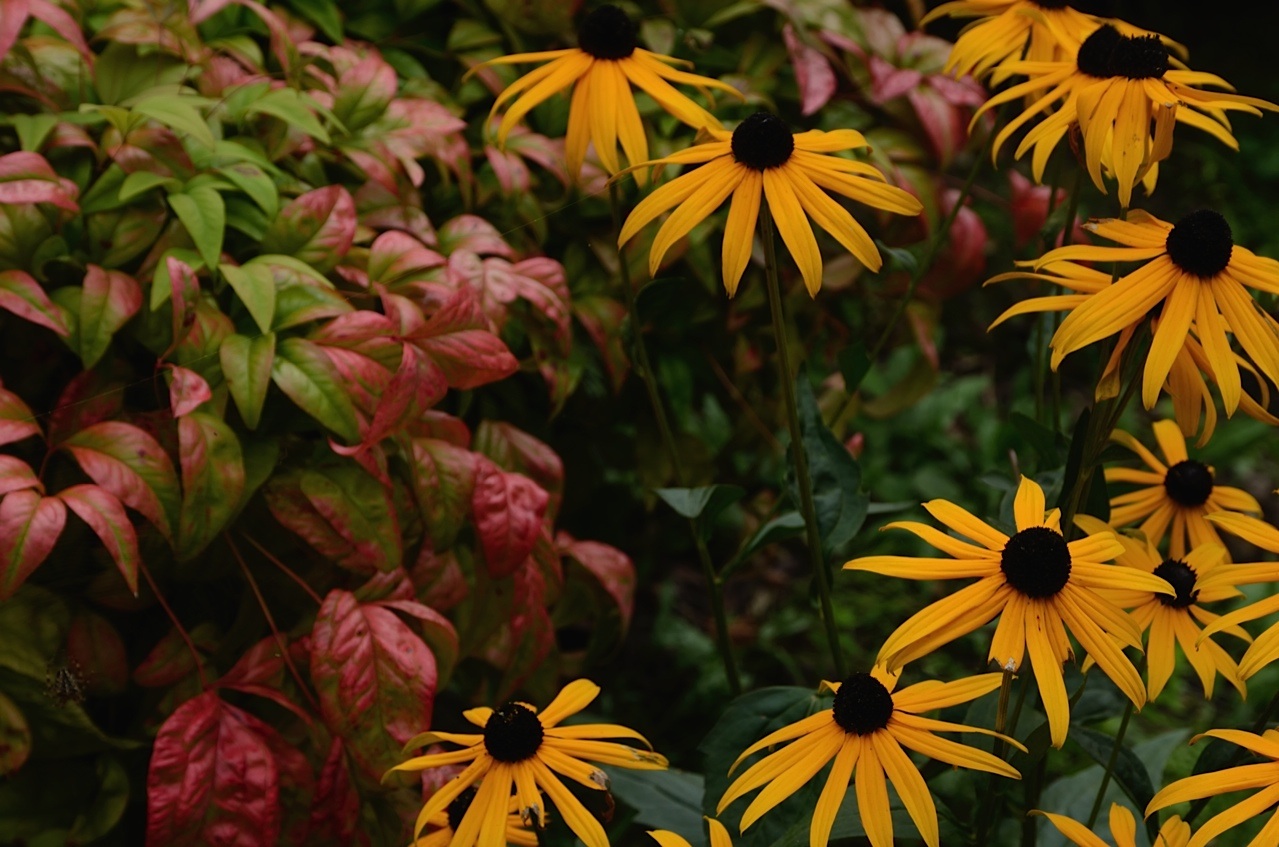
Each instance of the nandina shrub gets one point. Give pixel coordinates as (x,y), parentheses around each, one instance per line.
(252,521)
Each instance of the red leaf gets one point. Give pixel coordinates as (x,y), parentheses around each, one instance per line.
(213,779)
(444,483)
(89,398)
(170,661)
(187,391)
(15,474)
(443,426)
(375,679)
(516,450)
(27,177)
(105,516)
(610,566)
(96,646)
(335,811)
(29,528)
(16,420)
(469,232)
(185,293)
(22,295)
(470,357)
(418,384)
(813,74)
(438,630)
(439,578)
(13,14)
(110,299)
(131,465)
(397,257)
(317,227)
(508,510)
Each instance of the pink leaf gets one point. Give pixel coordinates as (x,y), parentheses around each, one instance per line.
(16,420)
(813,74)
(439,631)
(335,810)
(317,228)
(110,299)
(131,465)
(364,91)
(106,517)
(16,475)
(511,172)
(213,779)
(417,385)
(185,293)
(22,295)
(61,23)
(375,679)
(29,528)
(439,578)
(213,480)
(611,568)
(443,481)
(470,232)
(508,509)
(515,450)
(13,14)
(945,125)
(470,357)
(397,257)
(187,390)
(89,398)
(27,177)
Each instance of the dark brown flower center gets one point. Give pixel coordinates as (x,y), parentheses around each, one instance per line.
(1106,53)
(1189,483)
(1036,562)
(457,809)
(862,705)
(513,733)
(607,33)
(1094,54)
(1181,577)
(1201,243)
(762,141)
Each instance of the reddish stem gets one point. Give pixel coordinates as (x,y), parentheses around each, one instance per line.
(287,570)
(186,637)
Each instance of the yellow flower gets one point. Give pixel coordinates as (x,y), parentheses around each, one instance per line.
(1113,88)
(443,824)
(1200,576)
(762,159)
(1177,494)
(1036,583)
(526,750)
(1193,271)
(1265,649)
(719,836)
(1123,829)
(602,69)
(1264,776)
(864,732)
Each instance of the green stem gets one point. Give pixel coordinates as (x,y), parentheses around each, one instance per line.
(648,377)
(988,800)
(1110,764)
(798,454)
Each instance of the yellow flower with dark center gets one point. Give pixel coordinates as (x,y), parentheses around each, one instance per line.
(522,749)
(1123,829)
(719,836)
(1264,776)
(1265,649)
(761,161)
(602,69)
(1178,493)
(443,824)
(1036,583)
(1046,30)
(1192,272)
(1199,577)
(864,733)
(1113,89)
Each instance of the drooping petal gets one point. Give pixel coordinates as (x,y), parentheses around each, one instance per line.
(793,226)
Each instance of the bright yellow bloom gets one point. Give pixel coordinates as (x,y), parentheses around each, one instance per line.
(529,751)
(1265,649)
(864,732)
(1123,829)
(1036,583)
(1113,89)
(1193,271)
(602,69)
(761,161)
(1264,776)
(1178,494)
(1200,576)
(442,825)
(719,836)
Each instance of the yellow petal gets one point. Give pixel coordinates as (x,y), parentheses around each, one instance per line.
(793,226)
(739,230)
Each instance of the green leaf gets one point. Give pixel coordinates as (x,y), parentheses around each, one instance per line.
(255,286)
(15,736)
(836,476)
(854,364)
(1128,772)
(1045,442)
(100,815)
(203,213)
(141,182)
(33,130)
(178,112)
(670,799)
(247,363)
(788,525)
(290,106)
(898,259)
(708,501)
(309,379)
(256,183)
(322,13)
(212,480)
(110,298)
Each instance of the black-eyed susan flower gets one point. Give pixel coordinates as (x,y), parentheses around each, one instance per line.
(1264,776)
(1035,30)
(602,70)
(1125,96)
(1123,829)
(762,162)
(527,751)
(1265,649)
(863,734)
(1176,494)
(1192,272)
(443,825)
(1035,582)
(719,836)
(1199,577)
